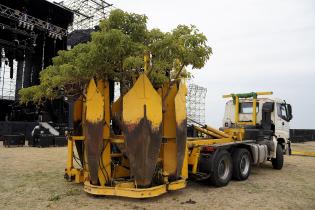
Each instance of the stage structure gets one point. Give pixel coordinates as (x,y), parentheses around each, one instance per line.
(87,13)
(7,73)
(195,103)
(31,34)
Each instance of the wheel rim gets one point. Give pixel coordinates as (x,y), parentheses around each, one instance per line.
(244,165)
(224,168)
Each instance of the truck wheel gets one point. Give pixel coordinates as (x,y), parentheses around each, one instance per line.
(277,162)
(222,169)
(242,164)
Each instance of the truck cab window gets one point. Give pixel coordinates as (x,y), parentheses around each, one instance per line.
(282,111)
(247,108)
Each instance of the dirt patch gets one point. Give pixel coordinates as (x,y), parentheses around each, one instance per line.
(304,146)
(32,178)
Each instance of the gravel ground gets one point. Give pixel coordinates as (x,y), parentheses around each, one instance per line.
(32,178)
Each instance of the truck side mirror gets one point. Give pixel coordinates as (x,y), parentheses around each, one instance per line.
(289,108)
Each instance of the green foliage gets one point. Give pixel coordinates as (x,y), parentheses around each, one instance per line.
(116,52)
(31,94)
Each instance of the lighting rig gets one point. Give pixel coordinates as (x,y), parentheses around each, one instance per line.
(28,22)
(31,33)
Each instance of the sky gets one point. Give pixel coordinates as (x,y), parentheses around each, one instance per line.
(261,45)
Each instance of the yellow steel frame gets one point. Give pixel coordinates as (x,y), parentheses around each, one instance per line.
(303,153)
(124,189)
(128,190)
(236,133)
(194,158)
(206,131)
(195,145)
(218,132)
(78,174)
(237,104)
(197,142)
(125,192)
(237,109)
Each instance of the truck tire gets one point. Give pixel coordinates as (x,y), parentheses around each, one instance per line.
(242,164)
(222,169)
(277,162)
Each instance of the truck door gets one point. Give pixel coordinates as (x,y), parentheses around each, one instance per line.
(282,121)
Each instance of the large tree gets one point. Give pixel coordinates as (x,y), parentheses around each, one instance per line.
(116,52)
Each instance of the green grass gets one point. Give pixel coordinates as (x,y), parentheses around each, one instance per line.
(54,197)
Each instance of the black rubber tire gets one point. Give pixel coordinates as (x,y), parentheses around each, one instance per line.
(277,163)
(222,161)
(242,164)
(68,178)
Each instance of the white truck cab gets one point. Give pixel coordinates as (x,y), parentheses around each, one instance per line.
(272,120)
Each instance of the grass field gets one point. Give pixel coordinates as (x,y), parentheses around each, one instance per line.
(32,178)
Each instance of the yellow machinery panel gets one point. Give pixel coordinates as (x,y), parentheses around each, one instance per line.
(169,147)
(142,129)
(142,101)
(94,129)
(77,115)
(181,126)
(169,121)
(236,133)
(116,108)
(94,104)
(103,87)
(104,170)
(169,157)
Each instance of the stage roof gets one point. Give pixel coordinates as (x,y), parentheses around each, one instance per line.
(42,9)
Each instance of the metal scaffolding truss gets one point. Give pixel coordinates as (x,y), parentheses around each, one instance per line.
(7,84)
(29,22)
(87,13)
(195,102)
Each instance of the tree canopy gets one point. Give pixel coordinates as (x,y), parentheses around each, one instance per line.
(116,52)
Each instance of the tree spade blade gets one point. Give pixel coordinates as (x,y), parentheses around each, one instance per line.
(142,125)
(181,125)
(94,129)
